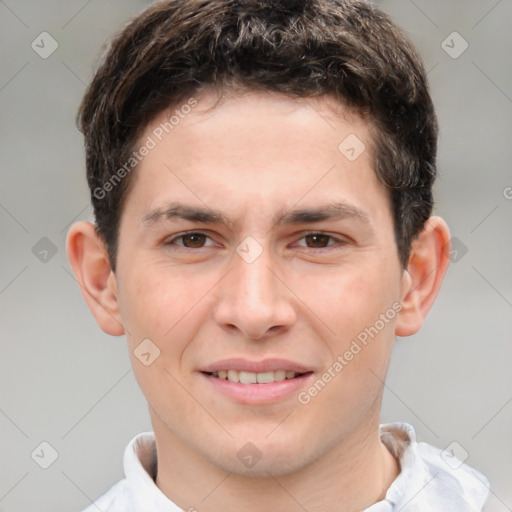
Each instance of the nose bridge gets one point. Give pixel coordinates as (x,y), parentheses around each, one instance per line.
(254,284)
(252,298)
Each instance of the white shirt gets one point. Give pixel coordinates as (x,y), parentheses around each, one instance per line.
(430,480)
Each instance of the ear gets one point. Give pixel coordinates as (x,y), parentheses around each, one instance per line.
(90,263)
(429,260)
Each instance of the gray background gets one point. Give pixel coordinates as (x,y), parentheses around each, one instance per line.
(65,382)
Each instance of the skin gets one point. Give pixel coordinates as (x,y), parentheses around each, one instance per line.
(304,299)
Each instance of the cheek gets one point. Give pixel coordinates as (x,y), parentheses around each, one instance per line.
(353,299)
(158,305)
(358,308)
(154,304)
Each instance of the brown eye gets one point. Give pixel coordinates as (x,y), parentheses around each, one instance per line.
(193,240)
(317,240)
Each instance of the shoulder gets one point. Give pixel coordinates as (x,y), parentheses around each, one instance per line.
(452,477)
(430,478)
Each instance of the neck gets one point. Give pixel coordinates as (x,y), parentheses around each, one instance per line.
(350,477)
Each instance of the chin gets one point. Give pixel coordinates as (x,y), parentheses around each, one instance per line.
(271,465)
(258,457)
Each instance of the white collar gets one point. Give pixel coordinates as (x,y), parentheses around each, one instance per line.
(426,481)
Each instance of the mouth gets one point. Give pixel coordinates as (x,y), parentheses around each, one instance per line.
(256,382)
(245,377)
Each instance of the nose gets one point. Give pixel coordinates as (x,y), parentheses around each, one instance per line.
(254,299)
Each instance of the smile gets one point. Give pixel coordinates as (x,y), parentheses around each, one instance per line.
(245,377)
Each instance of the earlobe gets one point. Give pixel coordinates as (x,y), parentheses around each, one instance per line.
(424,275)
(91,266)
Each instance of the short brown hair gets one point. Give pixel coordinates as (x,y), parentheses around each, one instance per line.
(345,48)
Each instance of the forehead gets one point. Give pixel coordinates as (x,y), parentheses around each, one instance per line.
(260,149)
(231,121)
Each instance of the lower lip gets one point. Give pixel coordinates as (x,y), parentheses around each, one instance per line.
(258,394)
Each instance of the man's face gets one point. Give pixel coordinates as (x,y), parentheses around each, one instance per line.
(259,285)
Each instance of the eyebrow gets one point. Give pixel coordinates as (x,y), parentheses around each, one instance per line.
(333,211)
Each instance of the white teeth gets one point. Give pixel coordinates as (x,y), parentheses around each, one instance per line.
(233,376)
(281,375)
(265,377)
(248,378)
(253,378)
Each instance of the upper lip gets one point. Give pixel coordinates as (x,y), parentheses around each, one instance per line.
(265,365)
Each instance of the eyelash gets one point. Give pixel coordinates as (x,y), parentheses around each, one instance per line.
(339,242)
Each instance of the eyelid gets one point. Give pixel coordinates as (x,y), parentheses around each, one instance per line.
(177,236)
(339,240)
(303,234)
